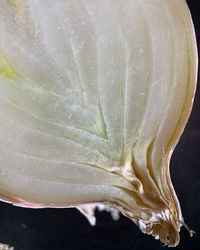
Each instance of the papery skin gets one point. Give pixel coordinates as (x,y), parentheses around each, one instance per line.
(94,96)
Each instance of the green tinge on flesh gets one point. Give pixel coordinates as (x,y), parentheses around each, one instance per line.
(94,95)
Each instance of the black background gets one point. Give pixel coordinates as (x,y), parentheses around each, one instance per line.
(56,229)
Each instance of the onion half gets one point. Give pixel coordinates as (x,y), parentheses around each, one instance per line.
(94,95)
